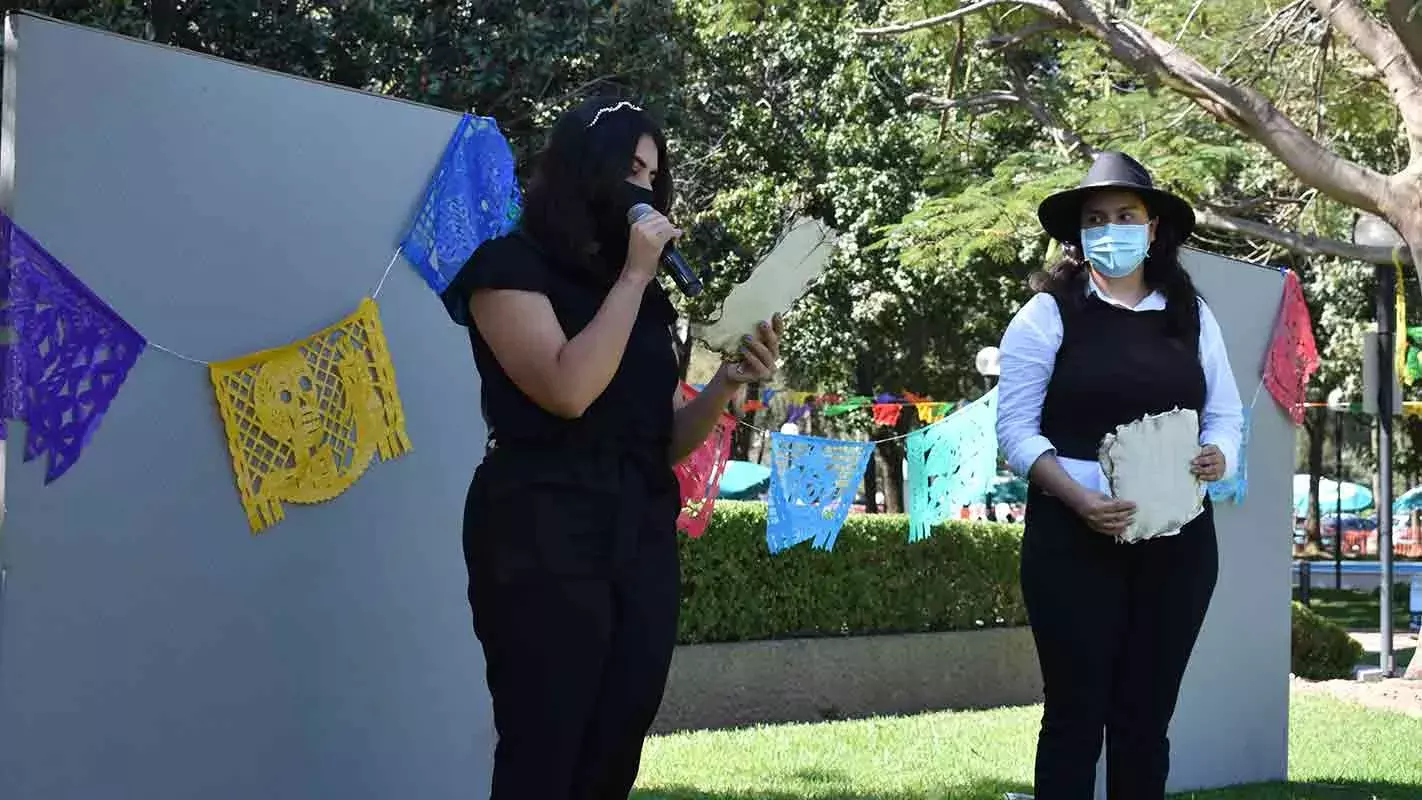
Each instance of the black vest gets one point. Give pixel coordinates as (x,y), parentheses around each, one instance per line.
(1114,367)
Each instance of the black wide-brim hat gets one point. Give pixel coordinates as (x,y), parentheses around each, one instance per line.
(1061,213)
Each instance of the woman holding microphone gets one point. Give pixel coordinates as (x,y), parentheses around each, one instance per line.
(570,521)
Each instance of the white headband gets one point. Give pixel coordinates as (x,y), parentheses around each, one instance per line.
(612,109)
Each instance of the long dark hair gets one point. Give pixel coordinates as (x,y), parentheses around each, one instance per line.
(1066,281)
(583,165)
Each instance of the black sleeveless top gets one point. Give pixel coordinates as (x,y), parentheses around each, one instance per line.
(1115,366)
(569,496)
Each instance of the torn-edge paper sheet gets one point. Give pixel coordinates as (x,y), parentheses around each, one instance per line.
(778,280)
(1147,462)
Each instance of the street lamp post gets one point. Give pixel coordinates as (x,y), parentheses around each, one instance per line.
(1338,404)
(989,365)
(1373,231)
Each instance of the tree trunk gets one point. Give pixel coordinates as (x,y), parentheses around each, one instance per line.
(1402,208)
(864,385)
(683,355)
(741,439)
(871,486)
(1316,428)
(891,456)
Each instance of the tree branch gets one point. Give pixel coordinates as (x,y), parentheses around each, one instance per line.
(1240,106)
(1004,41)
(1068,140)
(984,100)
(1367,73)
(1303,243)
(1073,145)
(973,8)
(1070,143)
(1383,48)
(1406,19)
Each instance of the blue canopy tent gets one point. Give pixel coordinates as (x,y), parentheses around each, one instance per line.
(1410,501)
(1355,497)
(744,480)
(1008,489)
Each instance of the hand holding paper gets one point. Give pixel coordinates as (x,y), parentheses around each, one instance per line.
(1104,514)
(778,280)
(1209,466)
(758,354)
(1152,463)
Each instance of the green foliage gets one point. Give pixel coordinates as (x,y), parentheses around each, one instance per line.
(964,577)
(1321,650)
(519,61)
(795,115)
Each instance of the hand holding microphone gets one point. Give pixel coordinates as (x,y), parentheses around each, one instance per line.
(652,244)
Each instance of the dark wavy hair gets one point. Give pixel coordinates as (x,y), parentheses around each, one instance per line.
(1066,281)
(582,166)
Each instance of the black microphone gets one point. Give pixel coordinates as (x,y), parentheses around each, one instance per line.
(672,262)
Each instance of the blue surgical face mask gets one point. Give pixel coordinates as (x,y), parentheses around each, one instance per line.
(1116,250)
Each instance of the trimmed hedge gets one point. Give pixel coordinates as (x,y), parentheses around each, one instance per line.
(875,581)
(1322,651)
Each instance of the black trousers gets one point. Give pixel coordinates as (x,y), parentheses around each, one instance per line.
(575,601)
(1114,625)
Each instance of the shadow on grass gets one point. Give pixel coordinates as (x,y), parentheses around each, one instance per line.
(995,790)
(1356,611)
(1336,790)
(986,790)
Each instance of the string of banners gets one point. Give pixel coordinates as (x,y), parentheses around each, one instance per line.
(887,409)
(304,421)
(952,460)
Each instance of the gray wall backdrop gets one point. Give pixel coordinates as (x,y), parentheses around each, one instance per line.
(1232,723)
(152,648)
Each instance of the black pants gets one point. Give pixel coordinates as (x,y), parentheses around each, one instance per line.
(1115,625)
(577,642)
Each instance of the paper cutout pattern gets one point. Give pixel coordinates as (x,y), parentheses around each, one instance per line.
(839,408)
(1235,488)
(1147,462)
(305,420)
(778,280)
(887,414)
(68,356)
(929,413)
(1293,356)
(700,475)
(812,486)
(1412,365)
(473,197)
(797,412)
(951,465)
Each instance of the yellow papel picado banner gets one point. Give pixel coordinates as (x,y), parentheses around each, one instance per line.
(305,420)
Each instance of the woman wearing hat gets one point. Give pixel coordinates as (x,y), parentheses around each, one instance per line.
(1115,332)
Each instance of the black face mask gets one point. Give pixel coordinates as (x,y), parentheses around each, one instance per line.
(610,221)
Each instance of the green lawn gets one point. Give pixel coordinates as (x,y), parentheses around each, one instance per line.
(984,754)
(1356,611)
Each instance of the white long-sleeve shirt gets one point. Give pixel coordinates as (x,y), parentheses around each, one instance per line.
(1028,357)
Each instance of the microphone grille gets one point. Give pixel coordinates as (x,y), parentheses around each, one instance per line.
(638,211)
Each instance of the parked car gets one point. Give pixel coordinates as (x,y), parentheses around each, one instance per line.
(1351,522)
